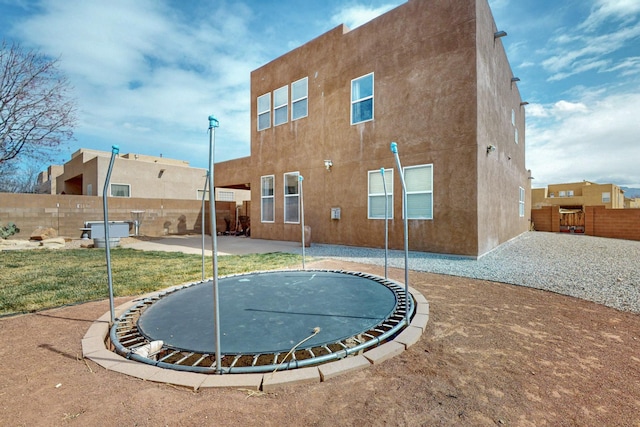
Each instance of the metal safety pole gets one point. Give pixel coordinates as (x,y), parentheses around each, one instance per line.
(213,124)
(105,191)
(300,179)
(394,150)
(386,226)
(204,195)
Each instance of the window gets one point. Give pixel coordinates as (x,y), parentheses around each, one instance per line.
(299,98)
(513,117)
(226,196)
(562,194)
(281,106)
(569,193)
(120,190)
(291,198)
(606,197)
(521,203)
(376,194)
(362,99)
(264,111)
(516,137)
(419,182)
(267,205)
(89,190)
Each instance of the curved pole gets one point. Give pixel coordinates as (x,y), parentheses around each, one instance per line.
(386,226)
(204,194)
(114,152)
(213,123)
(300,179)
(394,150)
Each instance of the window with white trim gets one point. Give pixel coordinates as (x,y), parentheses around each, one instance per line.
(562,194)
(377,196)
(299,99)
(264,111)
(291,198)
(362,99)
(120,190)
(606,197)
(281,105)
(267,202)
(516,135)
(419,182)
(521,203)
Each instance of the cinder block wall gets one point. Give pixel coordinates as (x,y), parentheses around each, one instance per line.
(67,214)
(546,218)
(613,223)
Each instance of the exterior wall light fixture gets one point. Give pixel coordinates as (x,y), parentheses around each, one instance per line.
(491,148)
(328,164)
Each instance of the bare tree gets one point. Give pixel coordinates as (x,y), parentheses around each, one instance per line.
(15,178)
(37,112)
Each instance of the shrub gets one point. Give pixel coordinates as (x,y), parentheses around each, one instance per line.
(8,230)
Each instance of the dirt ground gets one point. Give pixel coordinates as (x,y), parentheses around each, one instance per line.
(493,354)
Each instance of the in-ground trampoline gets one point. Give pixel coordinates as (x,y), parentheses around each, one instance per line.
(268,320)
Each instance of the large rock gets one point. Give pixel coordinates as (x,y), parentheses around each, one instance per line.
(54,243)
(42,233)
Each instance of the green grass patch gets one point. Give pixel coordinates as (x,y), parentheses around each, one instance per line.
(33,280)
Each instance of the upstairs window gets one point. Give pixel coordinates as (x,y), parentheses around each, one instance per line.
(376,194)
(521,203)
(419,182)
(606,197)
(281,106)
(362,99)
(264,111)
(299,98)
(291,198)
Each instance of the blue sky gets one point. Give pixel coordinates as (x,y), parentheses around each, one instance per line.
(148,73)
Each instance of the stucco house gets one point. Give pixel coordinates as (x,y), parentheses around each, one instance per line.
(431,75)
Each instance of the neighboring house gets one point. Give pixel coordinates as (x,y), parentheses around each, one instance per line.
(577,195)
(632,202)
(572,199)
(133,175)
(431,75)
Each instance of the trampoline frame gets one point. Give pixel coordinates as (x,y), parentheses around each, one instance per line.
(126,338)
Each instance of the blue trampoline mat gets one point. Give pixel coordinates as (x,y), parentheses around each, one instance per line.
(268,312)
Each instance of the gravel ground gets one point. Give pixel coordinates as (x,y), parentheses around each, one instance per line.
(605,271)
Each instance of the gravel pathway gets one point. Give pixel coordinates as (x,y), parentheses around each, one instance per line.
(605,271)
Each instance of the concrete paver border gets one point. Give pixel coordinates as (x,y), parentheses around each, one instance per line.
(94,348)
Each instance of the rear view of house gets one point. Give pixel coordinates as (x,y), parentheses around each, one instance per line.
(431,75)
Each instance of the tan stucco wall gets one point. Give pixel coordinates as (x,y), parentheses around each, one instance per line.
(584,194)
(502,172)
(147,176)
(423,56)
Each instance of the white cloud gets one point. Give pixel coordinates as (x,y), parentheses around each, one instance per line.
(598,143)
(577,51)
(355,15)
(603,10)
(183,69)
